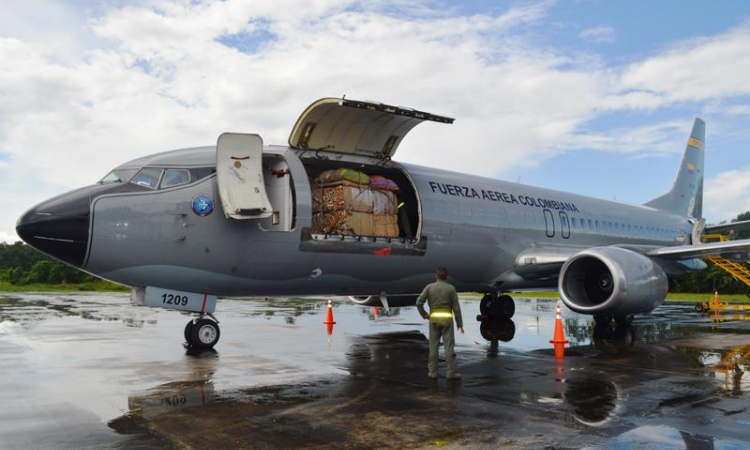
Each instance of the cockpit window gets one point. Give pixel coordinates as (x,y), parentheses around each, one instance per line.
(118,176)
(175,177)
(148,177)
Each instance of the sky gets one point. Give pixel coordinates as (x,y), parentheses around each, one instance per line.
(588,96)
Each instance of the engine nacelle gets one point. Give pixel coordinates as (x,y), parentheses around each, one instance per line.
(393,300)
(612,280)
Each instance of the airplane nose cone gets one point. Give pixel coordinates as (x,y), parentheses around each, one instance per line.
(59,227)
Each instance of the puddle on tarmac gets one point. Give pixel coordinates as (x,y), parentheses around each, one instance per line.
(277,373)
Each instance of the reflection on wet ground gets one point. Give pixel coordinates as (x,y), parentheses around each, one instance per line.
(90,371)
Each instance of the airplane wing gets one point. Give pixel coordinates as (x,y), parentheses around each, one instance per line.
(736,226)
(702,250)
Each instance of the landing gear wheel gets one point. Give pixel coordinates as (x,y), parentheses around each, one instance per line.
(189,331)
(701,307)
(204,334)
(623,320)
(484,304)
(602,319)
(501,308)
(625,334)
(498,330)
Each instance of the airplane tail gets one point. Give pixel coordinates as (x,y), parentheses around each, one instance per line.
(686,196)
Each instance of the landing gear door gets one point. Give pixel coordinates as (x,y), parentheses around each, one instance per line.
(239,172)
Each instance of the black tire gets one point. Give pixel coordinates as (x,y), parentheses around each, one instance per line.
(484,304)
(625,335)
(188,332)
(205,334)
(603,332)
(623,320)
(497,308)
(507,306)
(602,319)
(498,330)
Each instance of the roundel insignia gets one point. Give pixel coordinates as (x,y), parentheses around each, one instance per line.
(202,205)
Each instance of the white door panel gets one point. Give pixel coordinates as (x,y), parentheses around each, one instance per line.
(239,172)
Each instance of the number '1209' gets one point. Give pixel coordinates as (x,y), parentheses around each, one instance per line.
(171,299)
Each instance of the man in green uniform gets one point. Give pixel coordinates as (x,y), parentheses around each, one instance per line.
(443,301)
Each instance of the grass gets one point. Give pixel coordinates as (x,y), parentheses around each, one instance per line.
(94,286)
(683,297)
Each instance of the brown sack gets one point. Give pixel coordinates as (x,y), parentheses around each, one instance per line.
(386,225)
(342,222)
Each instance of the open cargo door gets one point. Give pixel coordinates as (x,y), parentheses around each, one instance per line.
(239,172)
(356,127)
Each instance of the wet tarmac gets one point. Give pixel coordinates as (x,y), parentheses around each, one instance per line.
(90,371)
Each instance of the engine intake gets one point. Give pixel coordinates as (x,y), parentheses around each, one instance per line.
(612,280)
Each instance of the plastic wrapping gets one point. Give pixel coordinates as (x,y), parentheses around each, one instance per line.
(384,202)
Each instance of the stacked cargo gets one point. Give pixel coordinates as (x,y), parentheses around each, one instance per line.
(345,203)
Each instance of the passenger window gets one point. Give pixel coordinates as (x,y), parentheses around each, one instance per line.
(573,223)
(148,177)
(175,177)
(591,225)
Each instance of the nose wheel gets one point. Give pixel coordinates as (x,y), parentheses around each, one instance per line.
(202,333)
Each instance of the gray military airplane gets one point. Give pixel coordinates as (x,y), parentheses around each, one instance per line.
(152,224)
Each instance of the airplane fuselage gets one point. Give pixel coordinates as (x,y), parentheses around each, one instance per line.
(481,229)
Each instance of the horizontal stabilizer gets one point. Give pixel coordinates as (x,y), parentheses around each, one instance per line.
(736,226)
(728,248)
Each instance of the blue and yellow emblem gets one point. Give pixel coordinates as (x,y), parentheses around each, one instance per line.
(203,205)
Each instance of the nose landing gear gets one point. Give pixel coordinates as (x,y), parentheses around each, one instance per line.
(202,333)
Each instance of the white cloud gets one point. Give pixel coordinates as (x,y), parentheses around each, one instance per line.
(696,69)
(727,194)
(158,77)
(600,34)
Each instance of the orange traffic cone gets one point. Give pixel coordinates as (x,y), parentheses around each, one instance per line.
(559,338)
(375,312)
(329,314)
(329,329)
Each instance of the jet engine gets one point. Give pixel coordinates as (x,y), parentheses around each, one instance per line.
(612,281)
(393,300)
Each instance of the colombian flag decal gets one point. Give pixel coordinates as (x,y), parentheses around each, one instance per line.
(691,168)
(696,143)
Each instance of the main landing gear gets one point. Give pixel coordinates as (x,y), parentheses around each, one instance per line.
(496,307)
(202,333)
(622,332)
(495,312)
